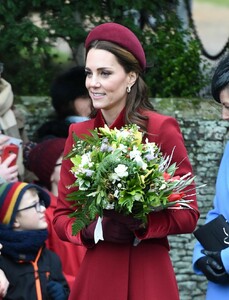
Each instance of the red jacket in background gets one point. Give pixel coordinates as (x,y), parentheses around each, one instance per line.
(70,255)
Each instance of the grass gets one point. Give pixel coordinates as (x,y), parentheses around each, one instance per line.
(215,2)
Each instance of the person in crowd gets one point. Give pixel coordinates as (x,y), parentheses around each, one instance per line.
(215,265)
(33,271)
(12,120)
(114,268)
(45,160)
(4,283)
(70,101)
(7,174)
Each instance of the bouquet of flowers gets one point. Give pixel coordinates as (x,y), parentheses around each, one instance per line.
(114,169)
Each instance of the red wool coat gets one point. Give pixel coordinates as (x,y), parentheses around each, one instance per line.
(125,272)
(70,255)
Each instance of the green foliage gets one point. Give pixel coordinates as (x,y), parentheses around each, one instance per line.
(177,66)
(114,170)
(29,30)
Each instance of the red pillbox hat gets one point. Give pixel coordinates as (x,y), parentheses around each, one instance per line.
(120,35)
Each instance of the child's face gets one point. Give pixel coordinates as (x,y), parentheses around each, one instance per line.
(31,215)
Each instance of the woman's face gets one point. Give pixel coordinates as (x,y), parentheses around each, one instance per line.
(107,81)
(224,99)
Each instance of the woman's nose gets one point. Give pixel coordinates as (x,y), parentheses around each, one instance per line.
(94,81)
(225,114)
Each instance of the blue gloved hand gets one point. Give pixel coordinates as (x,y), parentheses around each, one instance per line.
(56,290)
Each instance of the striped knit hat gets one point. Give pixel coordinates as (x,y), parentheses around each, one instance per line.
(10,198)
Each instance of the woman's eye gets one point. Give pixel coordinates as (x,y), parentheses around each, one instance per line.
(88,73)
(105,73)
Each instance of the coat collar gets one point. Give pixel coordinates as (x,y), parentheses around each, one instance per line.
(118,123)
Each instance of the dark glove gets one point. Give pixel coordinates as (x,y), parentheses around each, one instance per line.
(130,222)
(113,231)
(87,234)
(216,255)
(56,291)
(212,267)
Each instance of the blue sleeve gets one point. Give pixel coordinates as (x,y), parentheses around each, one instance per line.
(221,206)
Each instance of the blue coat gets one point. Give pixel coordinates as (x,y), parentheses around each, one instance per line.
(221,206)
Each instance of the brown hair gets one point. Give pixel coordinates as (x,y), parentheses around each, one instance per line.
(137,99)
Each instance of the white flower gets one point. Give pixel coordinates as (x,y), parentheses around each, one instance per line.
(86,159)
(151,149)
(113,177)
(135,153)
(122,134)
(88,172)
(123,148)
(121,171)
(141,163)
(109,206)
(163,186)
(116,194)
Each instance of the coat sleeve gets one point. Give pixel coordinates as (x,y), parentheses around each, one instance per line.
(61,221)
(165,132)
(220,206)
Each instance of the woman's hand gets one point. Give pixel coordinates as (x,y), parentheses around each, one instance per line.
(130,222)
(113,231)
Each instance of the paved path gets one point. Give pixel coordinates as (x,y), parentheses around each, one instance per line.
(212,23)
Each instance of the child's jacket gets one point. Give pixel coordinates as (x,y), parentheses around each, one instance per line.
(28,280)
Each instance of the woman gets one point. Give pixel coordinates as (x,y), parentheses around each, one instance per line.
(114,268)
(215,265)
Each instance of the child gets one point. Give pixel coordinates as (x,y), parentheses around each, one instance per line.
(44,160)
(33,271)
